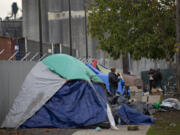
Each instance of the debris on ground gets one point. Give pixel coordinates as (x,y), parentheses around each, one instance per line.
(97,128)
(170,103)
(133,127)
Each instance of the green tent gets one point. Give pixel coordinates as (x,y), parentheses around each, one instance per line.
(69,67)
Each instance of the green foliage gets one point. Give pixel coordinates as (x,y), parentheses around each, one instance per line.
(144,28)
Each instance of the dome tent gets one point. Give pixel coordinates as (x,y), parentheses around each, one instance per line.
(58,92)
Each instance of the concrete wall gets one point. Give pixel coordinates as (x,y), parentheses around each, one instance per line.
(31,20)
(12,75)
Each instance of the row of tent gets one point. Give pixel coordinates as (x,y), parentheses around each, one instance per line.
(125,79)
(61,92)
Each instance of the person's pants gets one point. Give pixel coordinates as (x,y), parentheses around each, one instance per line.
(161,86)
(150,85)
(113,91)
(126,93)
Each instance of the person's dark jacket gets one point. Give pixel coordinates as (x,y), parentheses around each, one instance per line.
(158,77)
(113,80)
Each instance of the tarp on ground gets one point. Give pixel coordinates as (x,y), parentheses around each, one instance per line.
(104,78)
(132,117)
(39,86)
(69,67)
(74,105)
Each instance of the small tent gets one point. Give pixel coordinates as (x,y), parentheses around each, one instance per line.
(59,92)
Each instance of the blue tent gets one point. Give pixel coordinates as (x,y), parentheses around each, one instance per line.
(132,117)
(74,105)
(104,78)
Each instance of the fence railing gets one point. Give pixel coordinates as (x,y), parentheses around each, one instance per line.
(29,56)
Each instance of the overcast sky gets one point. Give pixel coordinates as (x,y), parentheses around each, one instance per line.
(5,7)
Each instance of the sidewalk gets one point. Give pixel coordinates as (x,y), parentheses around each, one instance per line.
(122,131)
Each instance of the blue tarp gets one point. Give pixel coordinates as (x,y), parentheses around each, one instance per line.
(132,117)
(76,104)
(93,69)
(104,78)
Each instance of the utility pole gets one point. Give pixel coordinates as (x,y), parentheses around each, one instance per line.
(70,34)
(40,30)
(85,19)
(178,45)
